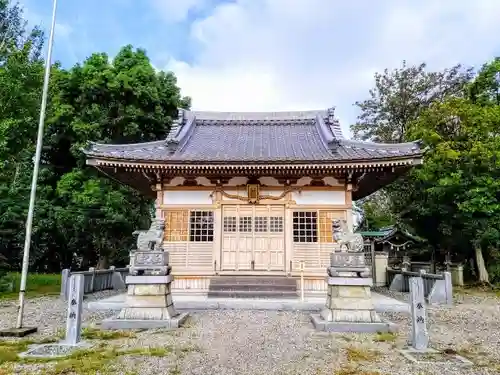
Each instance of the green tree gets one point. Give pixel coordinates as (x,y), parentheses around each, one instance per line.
(81,217)
(400,96)
(21,73)
(485,88)
(376,212)
(120,101)
(457,188)
(14,33)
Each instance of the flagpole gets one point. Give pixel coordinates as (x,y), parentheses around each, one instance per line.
(39,142)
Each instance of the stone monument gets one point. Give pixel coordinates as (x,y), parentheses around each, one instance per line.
(72,341)
(419,350)
(149,301)
(75,309)
(349,307)
(419,333)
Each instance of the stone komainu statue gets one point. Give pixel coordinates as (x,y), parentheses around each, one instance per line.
(149,257)
(352,242)
(151,239)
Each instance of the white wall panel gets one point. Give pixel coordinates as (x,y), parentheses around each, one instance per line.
(312,197)
(187,197)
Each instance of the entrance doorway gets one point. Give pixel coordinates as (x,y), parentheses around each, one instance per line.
(253,238)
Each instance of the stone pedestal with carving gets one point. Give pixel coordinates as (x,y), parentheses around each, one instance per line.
(149,302)
(349,306)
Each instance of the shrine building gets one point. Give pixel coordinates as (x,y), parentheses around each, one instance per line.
(253,193)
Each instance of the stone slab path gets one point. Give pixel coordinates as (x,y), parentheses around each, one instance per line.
(197,302)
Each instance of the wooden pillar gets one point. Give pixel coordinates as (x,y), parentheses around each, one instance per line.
(348,202)
(217,248)
(288,232)
(159,200)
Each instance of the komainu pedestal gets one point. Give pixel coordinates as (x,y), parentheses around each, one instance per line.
(349,306)
(149,302)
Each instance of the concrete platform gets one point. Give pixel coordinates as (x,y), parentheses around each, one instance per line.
(353,327)
(18,332)
(113,323)
(199,302)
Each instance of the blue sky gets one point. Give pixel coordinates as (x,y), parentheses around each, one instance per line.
(251,55)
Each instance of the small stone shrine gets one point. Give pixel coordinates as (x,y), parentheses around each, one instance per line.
(149,301)
(349,307)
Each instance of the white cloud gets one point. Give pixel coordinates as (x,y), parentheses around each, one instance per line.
(178,10)
(306,54)
(63,30)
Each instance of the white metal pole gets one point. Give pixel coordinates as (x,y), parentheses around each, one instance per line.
(34,180)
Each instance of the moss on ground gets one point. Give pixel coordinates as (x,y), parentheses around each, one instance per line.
(90,333)
(98,359)
(358,354)
(354,370)
(385,337)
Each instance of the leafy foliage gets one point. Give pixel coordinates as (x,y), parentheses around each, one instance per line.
(14,34)
(376,212)
(453,199)
(399,97)
(81,217)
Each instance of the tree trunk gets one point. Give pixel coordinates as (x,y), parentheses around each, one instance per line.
(103,263)
(481,267)
(16,175)
(472,265)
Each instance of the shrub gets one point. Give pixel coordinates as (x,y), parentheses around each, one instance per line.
(5,280)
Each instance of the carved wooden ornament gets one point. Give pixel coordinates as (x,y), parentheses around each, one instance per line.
(253,193)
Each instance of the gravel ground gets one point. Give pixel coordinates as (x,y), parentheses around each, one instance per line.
(272,343)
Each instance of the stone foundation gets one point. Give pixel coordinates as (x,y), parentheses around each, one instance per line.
(350,303)
(148,304)
(349,308)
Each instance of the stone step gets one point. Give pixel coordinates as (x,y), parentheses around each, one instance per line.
(252,294)
(253,287)
(245,280)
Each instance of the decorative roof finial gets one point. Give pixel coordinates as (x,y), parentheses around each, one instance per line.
(180,116)
(331,116)
(171,140)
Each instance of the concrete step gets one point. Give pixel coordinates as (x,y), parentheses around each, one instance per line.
(253,287)
(252,294)
(246,280)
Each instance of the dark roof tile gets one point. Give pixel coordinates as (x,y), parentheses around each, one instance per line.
(254,137)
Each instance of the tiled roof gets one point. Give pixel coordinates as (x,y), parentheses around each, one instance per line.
(254,137)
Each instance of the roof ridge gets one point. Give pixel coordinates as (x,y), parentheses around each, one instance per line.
(271,115)
(367,144)
(96,146)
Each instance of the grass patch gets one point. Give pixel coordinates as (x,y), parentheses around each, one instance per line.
(346,338)
(97,334)
(385,337)
(361,355)
(188,323)
(10,349)
(92,361)
(37,284)
(99,359)
(350,370)
(151,352)
(475,354)
(478,290)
